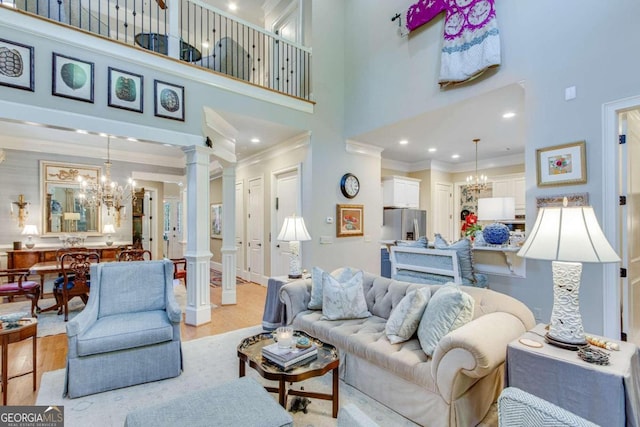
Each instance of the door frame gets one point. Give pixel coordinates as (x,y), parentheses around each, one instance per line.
(452,215)
(611,225)
(274,221)
(259,278)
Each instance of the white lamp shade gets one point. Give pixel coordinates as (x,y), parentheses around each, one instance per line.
(293,229)
(496,208)
(568,234)
(30,230)
(71,216)
(108,229)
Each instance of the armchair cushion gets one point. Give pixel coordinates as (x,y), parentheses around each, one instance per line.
(13,286)
(132,297)
(123,331)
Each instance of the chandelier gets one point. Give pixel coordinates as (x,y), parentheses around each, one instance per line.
(477,182)
(107,192)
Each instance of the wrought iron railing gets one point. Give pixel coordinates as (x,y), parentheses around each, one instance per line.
(209,37)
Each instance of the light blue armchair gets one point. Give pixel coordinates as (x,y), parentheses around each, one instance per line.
(129,332)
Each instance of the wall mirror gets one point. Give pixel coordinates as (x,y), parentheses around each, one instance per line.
(63,211)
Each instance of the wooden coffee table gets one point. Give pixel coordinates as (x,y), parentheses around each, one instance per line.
(27,328)
(250,352)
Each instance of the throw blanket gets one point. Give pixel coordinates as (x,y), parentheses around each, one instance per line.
(471,36)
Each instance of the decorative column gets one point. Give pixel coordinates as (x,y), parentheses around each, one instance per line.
(229,235)
(198,254)
(173,30)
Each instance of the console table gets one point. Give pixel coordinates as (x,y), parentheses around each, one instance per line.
(606,395)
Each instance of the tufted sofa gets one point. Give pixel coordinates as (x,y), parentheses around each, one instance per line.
(454,388)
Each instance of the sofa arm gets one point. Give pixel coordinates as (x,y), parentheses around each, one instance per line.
(474,350)
(295,296)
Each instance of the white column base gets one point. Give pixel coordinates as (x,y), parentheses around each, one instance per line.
(229,275)
(198,309)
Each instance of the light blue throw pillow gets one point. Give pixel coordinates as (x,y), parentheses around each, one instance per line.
(341,274)
(447,310)
(343,300)
(405,317)
(465,257)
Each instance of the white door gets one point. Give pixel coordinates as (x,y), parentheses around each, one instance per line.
(629,220)
(255,226)
(286,75)
(147,221)
(443,211)
(173,228)
(240,223)
(287,192)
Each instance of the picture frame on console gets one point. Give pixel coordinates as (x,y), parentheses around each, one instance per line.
(18,73)
(562,165)
(126,90)
(168,100)
(349,220)
(72,78)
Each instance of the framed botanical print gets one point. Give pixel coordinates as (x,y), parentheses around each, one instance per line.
(72,78)
(350,220)
(16,65)
(125,90)
(168,100)
(562,165)
(216,221)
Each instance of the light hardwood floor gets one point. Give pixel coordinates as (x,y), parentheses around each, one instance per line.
(52,350)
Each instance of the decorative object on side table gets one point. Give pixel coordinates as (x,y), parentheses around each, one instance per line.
(109,230)
(294,231)
(30,230)
(567,236)
(13,320)
(496,209)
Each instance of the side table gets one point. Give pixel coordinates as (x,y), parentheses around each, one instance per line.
(607,395)
(8,336)
(274,313)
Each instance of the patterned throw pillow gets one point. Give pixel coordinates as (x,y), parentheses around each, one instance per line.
(447,310)
(405,317)
(343,300)
(465,257)
(342,274)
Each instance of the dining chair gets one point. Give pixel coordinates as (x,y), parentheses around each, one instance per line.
(134,255)
(180,269)
(76,278)
(19,284)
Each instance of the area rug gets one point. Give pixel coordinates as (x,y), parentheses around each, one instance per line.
(52,323)
(215,279)
(208,362)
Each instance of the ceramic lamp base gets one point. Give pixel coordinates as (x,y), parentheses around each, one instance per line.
(565,329)
(496,234)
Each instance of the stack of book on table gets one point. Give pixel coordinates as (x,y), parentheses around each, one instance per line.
(287,358)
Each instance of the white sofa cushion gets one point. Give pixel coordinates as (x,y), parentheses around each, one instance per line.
(405,317)
(343,300)
(342,274)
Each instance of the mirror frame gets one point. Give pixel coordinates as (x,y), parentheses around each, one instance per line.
(66,174)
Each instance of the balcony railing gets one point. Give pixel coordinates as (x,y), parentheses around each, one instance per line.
(197,33)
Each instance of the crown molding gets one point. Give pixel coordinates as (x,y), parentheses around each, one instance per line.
(301,140)
(355,147)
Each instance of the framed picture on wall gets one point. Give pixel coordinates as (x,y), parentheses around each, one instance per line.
(168,100)
(216,220)
(16,65)
(350,220)
(126,90)
(562,165)
(72,78)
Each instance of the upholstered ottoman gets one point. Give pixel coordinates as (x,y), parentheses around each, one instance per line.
(242,402)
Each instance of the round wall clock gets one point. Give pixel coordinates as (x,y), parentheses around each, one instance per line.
(349,185)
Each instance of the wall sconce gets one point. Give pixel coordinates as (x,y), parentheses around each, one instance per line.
(120,214)
(23,210)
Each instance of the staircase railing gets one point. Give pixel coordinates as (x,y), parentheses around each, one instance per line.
(197,33)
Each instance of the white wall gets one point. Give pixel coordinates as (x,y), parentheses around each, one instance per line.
(548,46)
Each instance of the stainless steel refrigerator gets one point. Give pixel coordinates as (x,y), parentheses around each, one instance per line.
(404,224)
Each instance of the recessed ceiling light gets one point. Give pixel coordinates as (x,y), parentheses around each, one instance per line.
(205,44)
(84,132)
(167,145)
(403,142)
(233,7)
(103,134)
(508,115)
(432,150)
(255,140)
(132,139)
(455,156)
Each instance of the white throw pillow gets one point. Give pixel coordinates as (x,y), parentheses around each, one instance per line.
(447,310)
(343,300)
(405,317)
(341,274)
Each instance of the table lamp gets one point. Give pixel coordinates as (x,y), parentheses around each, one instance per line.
(30,230)
(567,236)
(108,229)
(294,231)
(496,209)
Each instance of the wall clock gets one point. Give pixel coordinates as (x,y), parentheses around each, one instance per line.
(349,185)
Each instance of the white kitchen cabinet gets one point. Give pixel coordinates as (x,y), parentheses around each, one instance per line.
(511,186)
(401,192)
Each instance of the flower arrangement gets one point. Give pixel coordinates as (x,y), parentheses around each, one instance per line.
(471,225)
